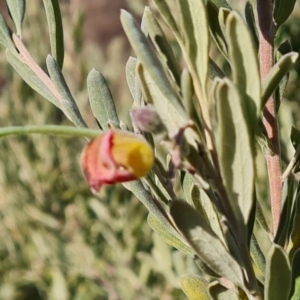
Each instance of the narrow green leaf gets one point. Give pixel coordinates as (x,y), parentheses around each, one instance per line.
(235,151)
(194,287)
(277,73)
(167,112)
(278,275)
(133,82)
(219,292)
(204,268)
(101,101)
(17,12)
(257,255)
(244,62)
(282,10)
(153,206)
(5,38)
(196,37)
(295,136)
(281,237)
(169,234)
(250,19)
(31,78)
(198,198)
(68,102)
(148,58)
(294,242)
(260,218)
(161,44)
(220,3)
(215,29)
(56,33)
(295,291)
(166,13)
(205,242)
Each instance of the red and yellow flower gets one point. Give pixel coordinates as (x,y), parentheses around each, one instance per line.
(116,156)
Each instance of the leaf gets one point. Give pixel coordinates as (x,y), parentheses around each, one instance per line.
(205,242)
(161,44)
(59,287)
(101,101)
(245,71)
(219,292)
(5,38)
(149,60)
(250,19)
(68,103)
(282,233)
(198,198)
(196,37)
(257,255)
(278,274)
(294,242)
(167,15)
(295,136)
(166,111)
(153,206)
(220,3)
(169,234)
(215,29)
(276,74)
(132,81)
(282,10)
(56,33)
(235,151)
(194,287)
(295,291)
(31,78)
(17,12)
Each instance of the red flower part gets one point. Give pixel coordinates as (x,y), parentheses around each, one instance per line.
(116,156)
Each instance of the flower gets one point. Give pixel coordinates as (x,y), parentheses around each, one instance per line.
(116,156)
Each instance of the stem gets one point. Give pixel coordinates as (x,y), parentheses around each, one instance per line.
(266,54)
(49,129)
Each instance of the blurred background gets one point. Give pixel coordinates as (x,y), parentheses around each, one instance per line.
(57,240)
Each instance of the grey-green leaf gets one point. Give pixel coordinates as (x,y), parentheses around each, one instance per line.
(150,61)
(169,234)
(244,62)
(17,12)
(162,46)
(278,274)
(31,78)
(282,10)
(277,73)
(132,81)
(235,151)
(55,27)
(295,291)
(215,29)
(101,101)
(219,292)
(5,38)
(69,105)
(204,241)
(194,287)
(195,28)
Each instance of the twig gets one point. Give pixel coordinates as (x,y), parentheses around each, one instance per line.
(266,52)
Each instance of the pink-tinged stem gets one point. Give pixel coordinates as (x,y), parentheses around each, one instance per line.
(266,54)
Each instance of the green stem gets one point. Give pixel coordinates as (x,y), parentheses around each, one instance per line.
(49,129)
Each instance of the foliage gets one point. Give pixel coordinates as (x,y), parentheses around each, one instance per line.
(207,117)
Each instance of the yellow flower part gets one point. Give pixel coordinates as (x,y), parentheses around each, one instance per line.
(132,152)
